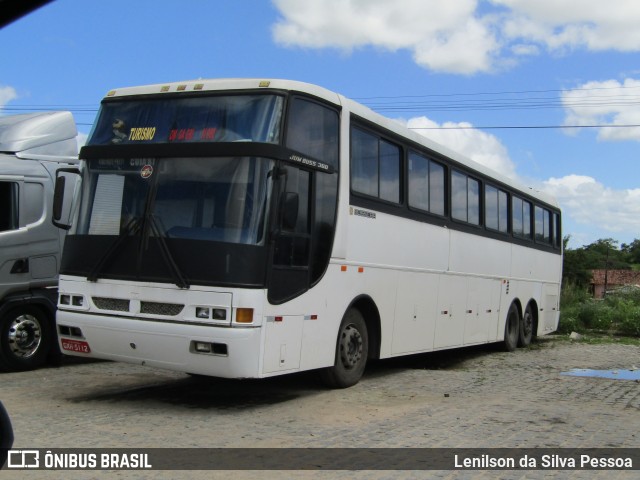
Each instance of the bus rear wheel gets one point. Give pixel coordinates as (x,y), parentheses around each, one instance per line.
(526,327)
(512,329)
(352,349)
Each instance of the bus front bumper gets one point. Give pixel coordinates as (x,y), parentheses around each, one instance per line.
(228,352)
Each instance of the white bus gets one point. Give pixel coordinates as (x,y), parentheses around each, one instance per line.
(251,228)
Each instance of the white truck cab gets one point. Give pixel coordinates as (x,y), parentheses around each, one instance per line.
(32,148)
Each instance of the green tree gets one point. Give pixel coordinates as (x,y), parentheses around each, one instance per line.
(601,254)
(574,268)
(632,251)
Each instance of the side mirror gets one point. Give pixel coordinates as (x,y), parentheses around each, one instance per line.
(63,197)
(6,435)
(290,207)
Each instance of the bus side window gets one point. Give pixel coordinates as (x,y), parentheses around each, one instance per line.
(496,211)
(313,130)
(389,172)
(521,218)
(426,184)
(542,225)
(465,198)
(375,166)
(557,235)
(364,163)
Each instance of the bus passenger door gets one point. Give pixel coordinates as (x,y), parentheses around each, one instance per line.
(288,274)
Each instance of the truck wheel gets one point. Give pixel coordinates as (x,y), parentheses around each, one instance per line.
(25,338)
(352,349)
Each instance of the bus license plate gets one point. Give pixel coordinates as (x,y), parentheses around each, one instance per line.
(75,346)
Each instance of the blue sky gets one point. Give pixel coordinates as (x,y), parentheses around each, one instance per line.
(437,65)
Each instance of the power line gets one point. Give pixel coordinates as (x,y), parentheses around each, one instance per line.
(610,102)
(582,98)
(524,127)
(443,102)
(513,92)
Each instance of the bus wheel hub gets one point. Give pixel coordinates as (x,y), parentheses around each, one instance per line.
(350,347)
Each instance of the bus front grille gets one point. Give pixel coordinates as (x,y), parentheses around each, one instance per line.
(113,304)
(157,308)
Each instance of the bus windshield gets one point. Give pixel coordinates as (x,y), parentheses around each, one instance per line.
(221,199)
(169,219)
(228,118)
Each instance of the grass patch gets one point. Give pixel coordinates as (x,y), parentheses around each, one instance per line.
(594,338)
(617,315)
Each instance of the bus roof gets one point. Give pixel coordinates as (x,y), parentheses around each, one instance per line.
(203,85)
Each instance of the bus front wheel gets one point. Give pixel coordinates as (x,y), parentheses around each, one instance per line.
(352,349)
(512,329)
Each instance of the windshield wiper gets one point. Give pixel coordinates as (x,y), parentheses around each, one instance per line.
(130,229)
(178,277)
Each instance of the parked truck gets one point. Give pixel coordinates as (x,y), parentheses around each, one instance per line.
(32,148)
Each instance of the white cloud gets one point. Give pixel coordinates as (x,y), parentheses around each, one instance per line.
(589,202)
(605,103)
(591,24)
(479,146)
(443,36)
(7,94)
(458,36)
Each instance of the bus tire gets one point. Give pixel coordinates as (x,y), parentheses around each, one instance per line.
(352,349)
(526,328)
(512,329)
(25,338)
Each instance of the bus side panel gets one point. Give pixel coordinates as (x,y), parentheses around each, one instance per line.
(484,262)
(451,303)
(551,309)
(305,336)
(416,312)
(538,270)
(283,343)
(481,314)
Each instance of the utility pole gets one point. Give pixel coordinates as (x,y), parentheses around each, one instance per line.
(606,273)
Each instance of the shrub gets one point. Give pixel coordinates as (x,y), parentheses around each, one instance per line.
(617,313)
(569,323)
